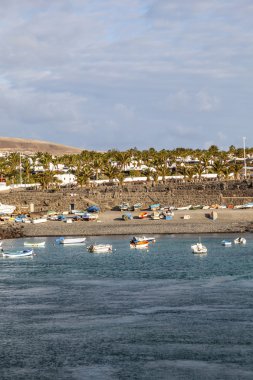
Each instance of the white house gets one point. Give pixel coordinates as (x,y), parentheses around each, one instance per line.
(66,179)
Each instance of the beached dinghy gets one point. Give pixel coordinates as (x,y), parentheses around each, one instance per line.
(34,244)
(64,240)
(39,220)
(100,248)
(18,254)
(199,248)
(240,240)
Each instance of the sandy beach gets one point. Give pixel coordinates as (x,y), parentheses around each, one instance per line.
(111,223)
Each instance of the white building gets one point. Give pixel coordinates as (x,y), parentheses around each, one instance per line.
(66,179)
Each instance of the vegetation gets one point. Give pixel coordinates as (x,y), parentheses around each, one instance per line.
(113,165)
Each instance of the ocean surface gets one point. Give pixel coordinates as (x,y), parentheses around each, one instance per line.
(164,313)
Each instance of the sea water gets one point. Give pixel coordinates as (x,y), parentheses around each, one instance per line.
(161,313)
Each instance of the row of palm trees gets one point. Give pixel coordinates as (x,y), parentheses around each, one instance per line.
(114,164)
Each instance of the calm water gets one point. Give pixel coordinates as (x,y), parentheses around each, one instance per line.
(159,314)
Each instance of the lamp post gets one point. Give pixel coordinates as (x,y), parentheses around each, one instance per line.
(244,158)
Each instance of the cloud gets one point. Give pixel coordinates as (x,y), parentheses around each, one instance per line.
(83,70)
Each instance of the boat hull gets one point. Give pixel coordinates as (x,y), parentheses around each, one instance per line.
(18,254)
(100,248)
(71,241)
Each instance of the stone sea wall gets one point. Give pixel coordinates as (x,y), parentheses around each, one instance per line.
(108,197)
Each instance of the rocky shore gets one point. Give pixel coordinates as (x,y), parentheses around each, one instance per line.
(110,223)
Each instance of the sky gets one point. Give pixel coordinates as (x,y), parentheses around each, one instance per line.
(116,74)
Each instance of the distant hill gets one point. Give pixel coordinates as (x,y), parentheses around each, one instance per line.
(9,144)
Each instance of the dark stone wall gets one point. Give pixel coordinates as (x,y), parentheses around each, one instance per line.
(106,196)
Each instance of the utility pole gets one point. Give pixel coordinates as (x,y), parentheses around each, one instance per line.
(244,157)
(20,169)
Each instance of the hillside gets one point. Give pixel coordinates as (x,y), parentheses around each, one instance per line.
(9,144)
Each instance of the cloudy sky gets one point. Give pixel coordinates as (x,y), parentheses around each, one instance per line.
(102,74)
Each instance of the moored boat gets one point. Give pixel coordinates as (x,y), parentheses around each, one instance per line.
(149,239)
(100,248)
(139,244)
(226,243)
(63,240)
(18,254)
(199,248)
(240,240)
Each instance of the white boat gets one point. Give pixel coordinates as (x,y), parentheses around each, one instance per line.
(226,243)
(100,248)
(90,216)
(240,240)
(39,220)
(70,241)
(18,254)
(199,248)
(144,238)
(1,243)
(184,208)
(7,209)
(34,244)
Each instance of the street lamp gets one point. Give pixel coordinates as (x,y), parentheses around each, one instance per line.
(244,157)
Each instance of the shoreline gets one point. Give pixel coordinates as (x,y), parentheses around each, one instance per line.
(110,223)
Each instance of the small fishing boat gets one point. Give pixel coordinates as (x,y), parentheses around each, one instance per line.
(100,248)
(155,206)
(6,209)
(89,217)
(127,216)
(18,254)
(144,238)
(124,206)
(199,248)
(155,215)
(137,206)
(93,208)
(139,244)
(63,240)
(143,215)
(34,244)
(226,243)
(39,220)
(240,240)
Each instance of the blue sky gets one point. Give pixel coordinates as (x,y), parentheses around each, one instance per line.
(102,74)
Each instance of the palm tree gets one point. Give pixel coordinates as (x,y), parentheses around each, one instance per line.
(111,171)
(218,167)
(84,175)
